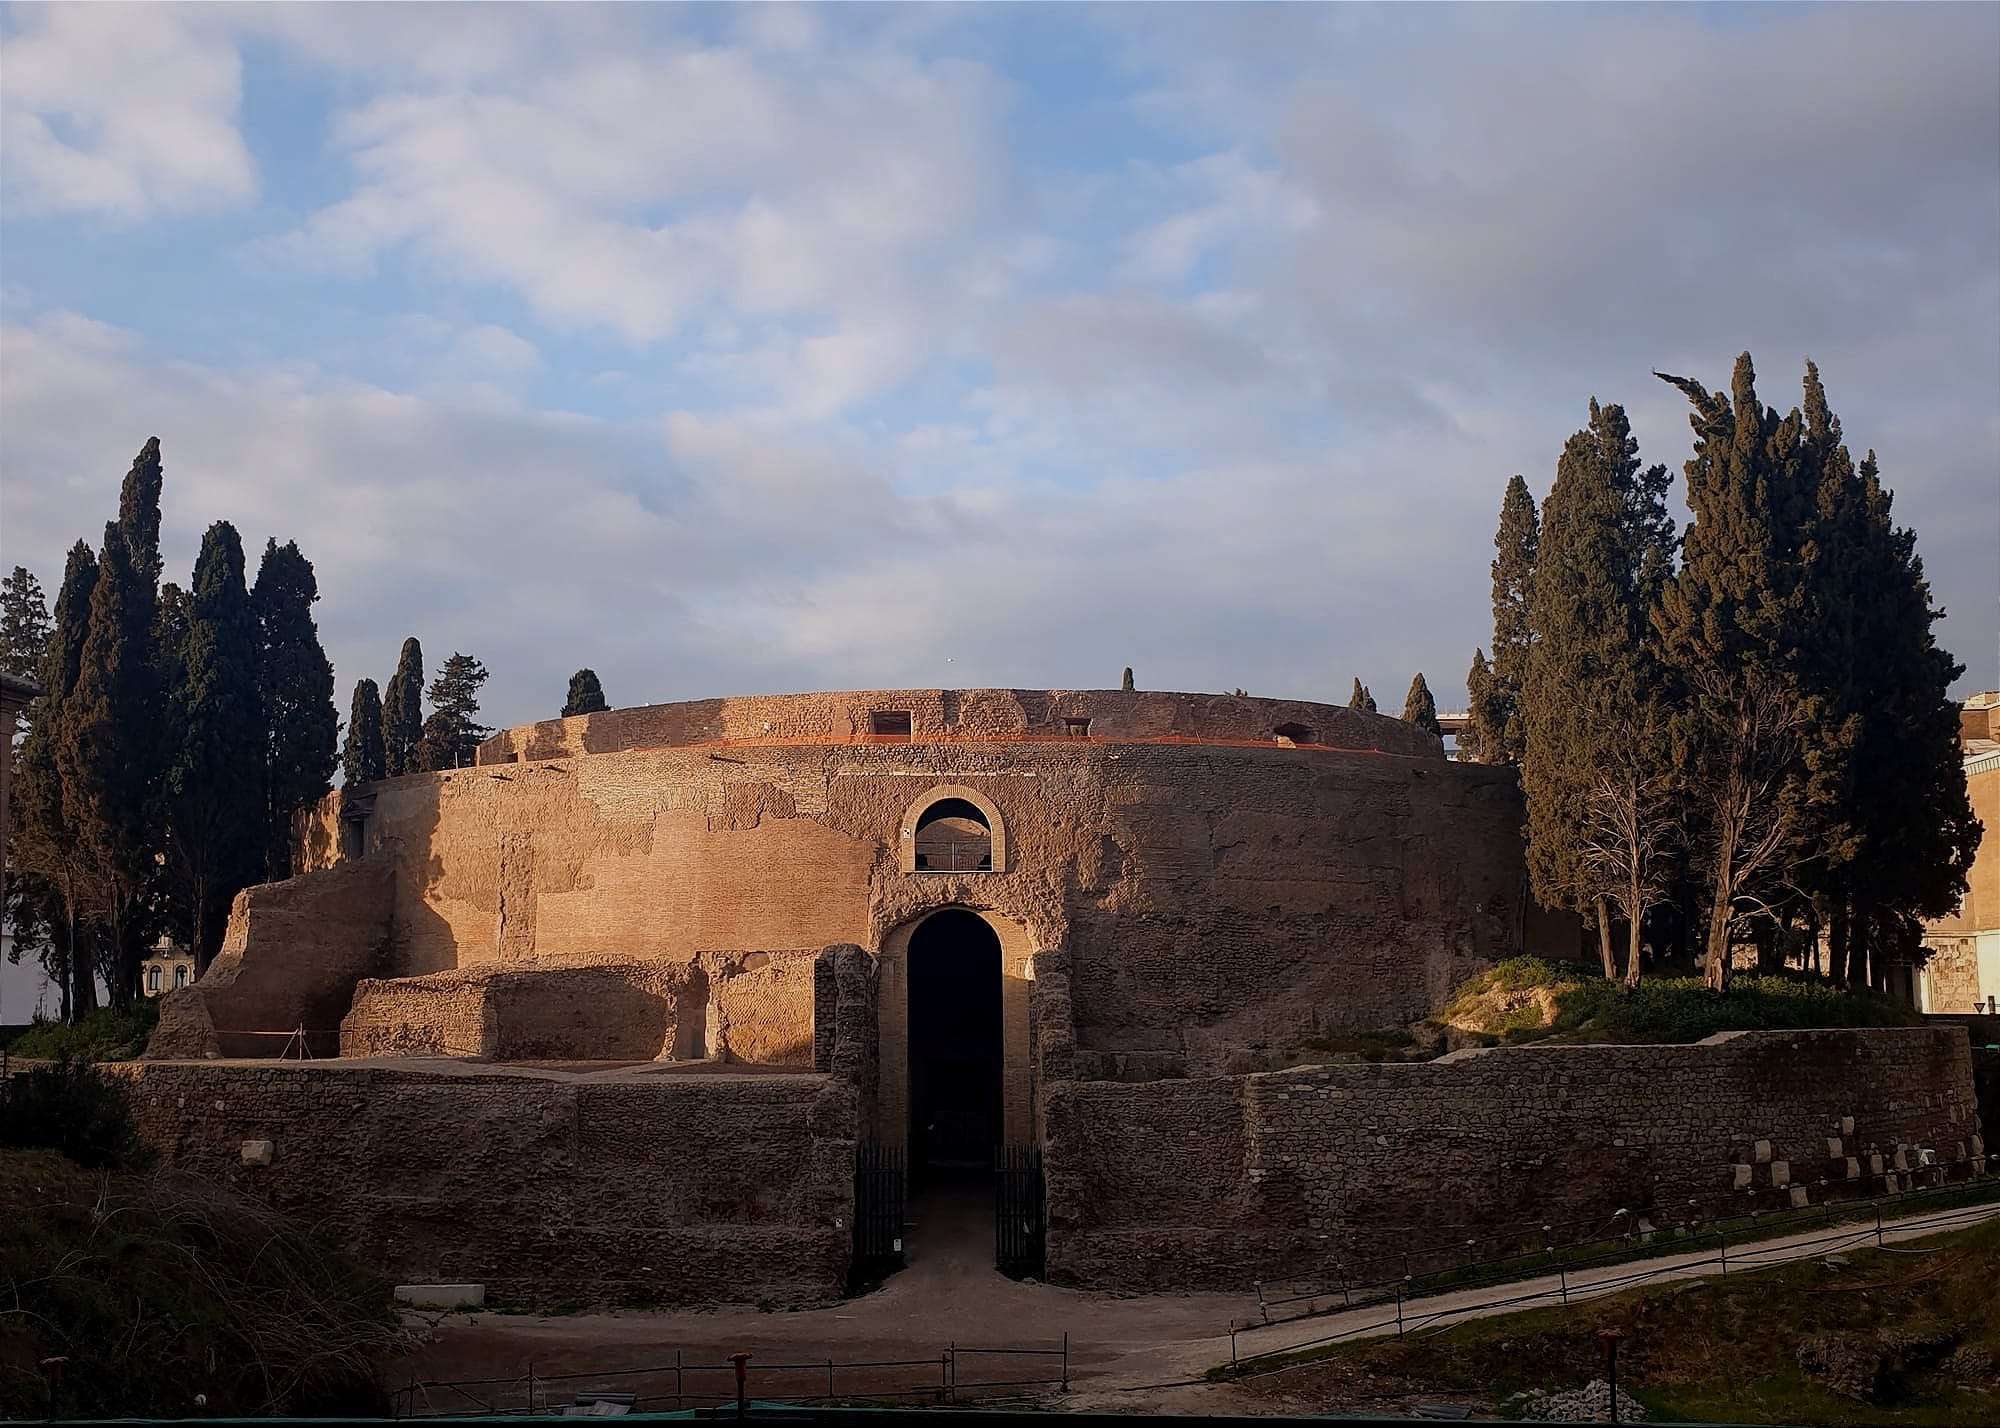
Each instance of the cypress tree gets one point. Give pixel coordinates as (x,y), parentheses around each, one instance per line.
(1125,680)
(362,758)
(1485,716)
(139,512)
(216,778)
(1917,833)
(295,685)
(24,623)
(1595,771)
(51,890)
(452,733)
(106,754)
(1420,708)
(403,712)
(586,695)
(1730,625)
(1361,698)
(1513,570)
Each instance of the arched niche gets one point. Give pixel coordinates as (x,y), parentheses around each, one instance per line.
(943,807)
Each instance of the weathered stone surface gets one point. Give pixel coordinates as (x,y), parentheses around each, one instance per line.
(1209,1183)
(689,1186)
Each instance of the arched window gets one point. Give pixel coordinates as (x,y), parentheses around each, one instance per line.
(953,837)
(152,979)
(953,829)
(180,975)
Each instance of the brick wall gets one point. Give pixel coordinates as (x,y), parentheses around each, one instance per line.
(1219,904)
(694,1187)
(1212,1183)
(963,713)
(290,958)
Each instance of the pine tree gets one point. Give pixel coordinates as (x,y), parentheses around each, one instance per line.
(1420,709)
(362,759)
(1730,624)
(24,624)
(1125,681)
(295,685)
(1513,569)
(52,893)
(108,750)
(403,712)
(215,782)
(1485,718)
(1361,698)
(1595,770)
(586,695)
(452,733)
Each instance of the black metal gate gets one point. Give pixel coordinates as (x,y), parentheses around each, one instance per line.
(881,1187)
(1018,1226)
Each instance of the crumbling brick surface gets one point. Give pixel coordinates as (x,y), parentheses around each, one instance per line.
(291,957)
(1220,904)
(680,1187)
(1212,1183)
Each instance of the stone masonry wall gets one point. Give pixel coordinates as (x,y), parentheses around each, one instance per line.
(1213,1183)
(291,957)
(1219,904)
(840,716)
(678,1187)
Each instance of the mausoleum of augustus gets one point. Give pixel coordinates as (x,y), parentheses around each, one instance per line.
(618,1010)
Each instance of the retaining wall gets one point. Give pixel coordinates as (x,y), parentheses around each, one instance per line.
(1215,1182)
(672,1186)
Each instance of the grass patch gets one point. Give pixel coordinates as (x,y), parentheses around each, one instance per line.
(103,1034)
(1525,999)
(1862,1337)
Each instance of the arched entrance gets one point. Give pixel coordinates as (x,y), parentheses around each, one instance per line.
(956,1043)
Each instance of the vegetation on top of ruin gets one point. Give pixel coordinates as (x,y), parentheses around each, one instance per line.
(147,1290)
(1526,999)
(1865,1337)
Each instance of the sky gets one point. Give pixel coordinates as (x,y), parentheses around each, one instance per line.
(761,348)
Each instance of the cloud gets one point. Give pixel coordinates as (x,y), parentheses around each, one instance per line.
(120,111)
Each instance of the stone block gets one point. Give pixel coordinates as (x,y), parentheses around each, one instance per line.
(1761,1152)
(1847,1125)
(1834,1150)
(258,1152)
(1875,1163)
(1781,1173)
(442,1296)
(1853,1168)
(1798,1197)
(1902,1158)
(1743,1174)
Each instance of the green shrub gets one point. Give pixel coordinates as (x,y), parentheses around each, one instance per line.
(102,1034)
(71,1106)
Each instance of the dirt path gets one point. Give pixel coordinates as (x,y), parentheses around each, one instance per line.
(1132,1353)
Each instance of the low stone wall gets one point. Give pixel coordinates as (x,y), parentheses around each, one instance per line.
(1213,1183)
(748,1008)
(686,1187)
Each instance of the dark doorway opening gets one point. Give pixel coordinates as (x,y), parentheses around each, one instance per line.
(955,1045)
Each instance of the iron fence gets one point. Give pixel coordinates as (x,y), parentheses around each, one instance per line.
(975,1370)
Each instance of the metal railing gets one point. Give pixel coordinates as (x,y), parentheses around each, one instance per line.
(972,857)
(1620,1237)
(687,1383)
(1408,1320)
